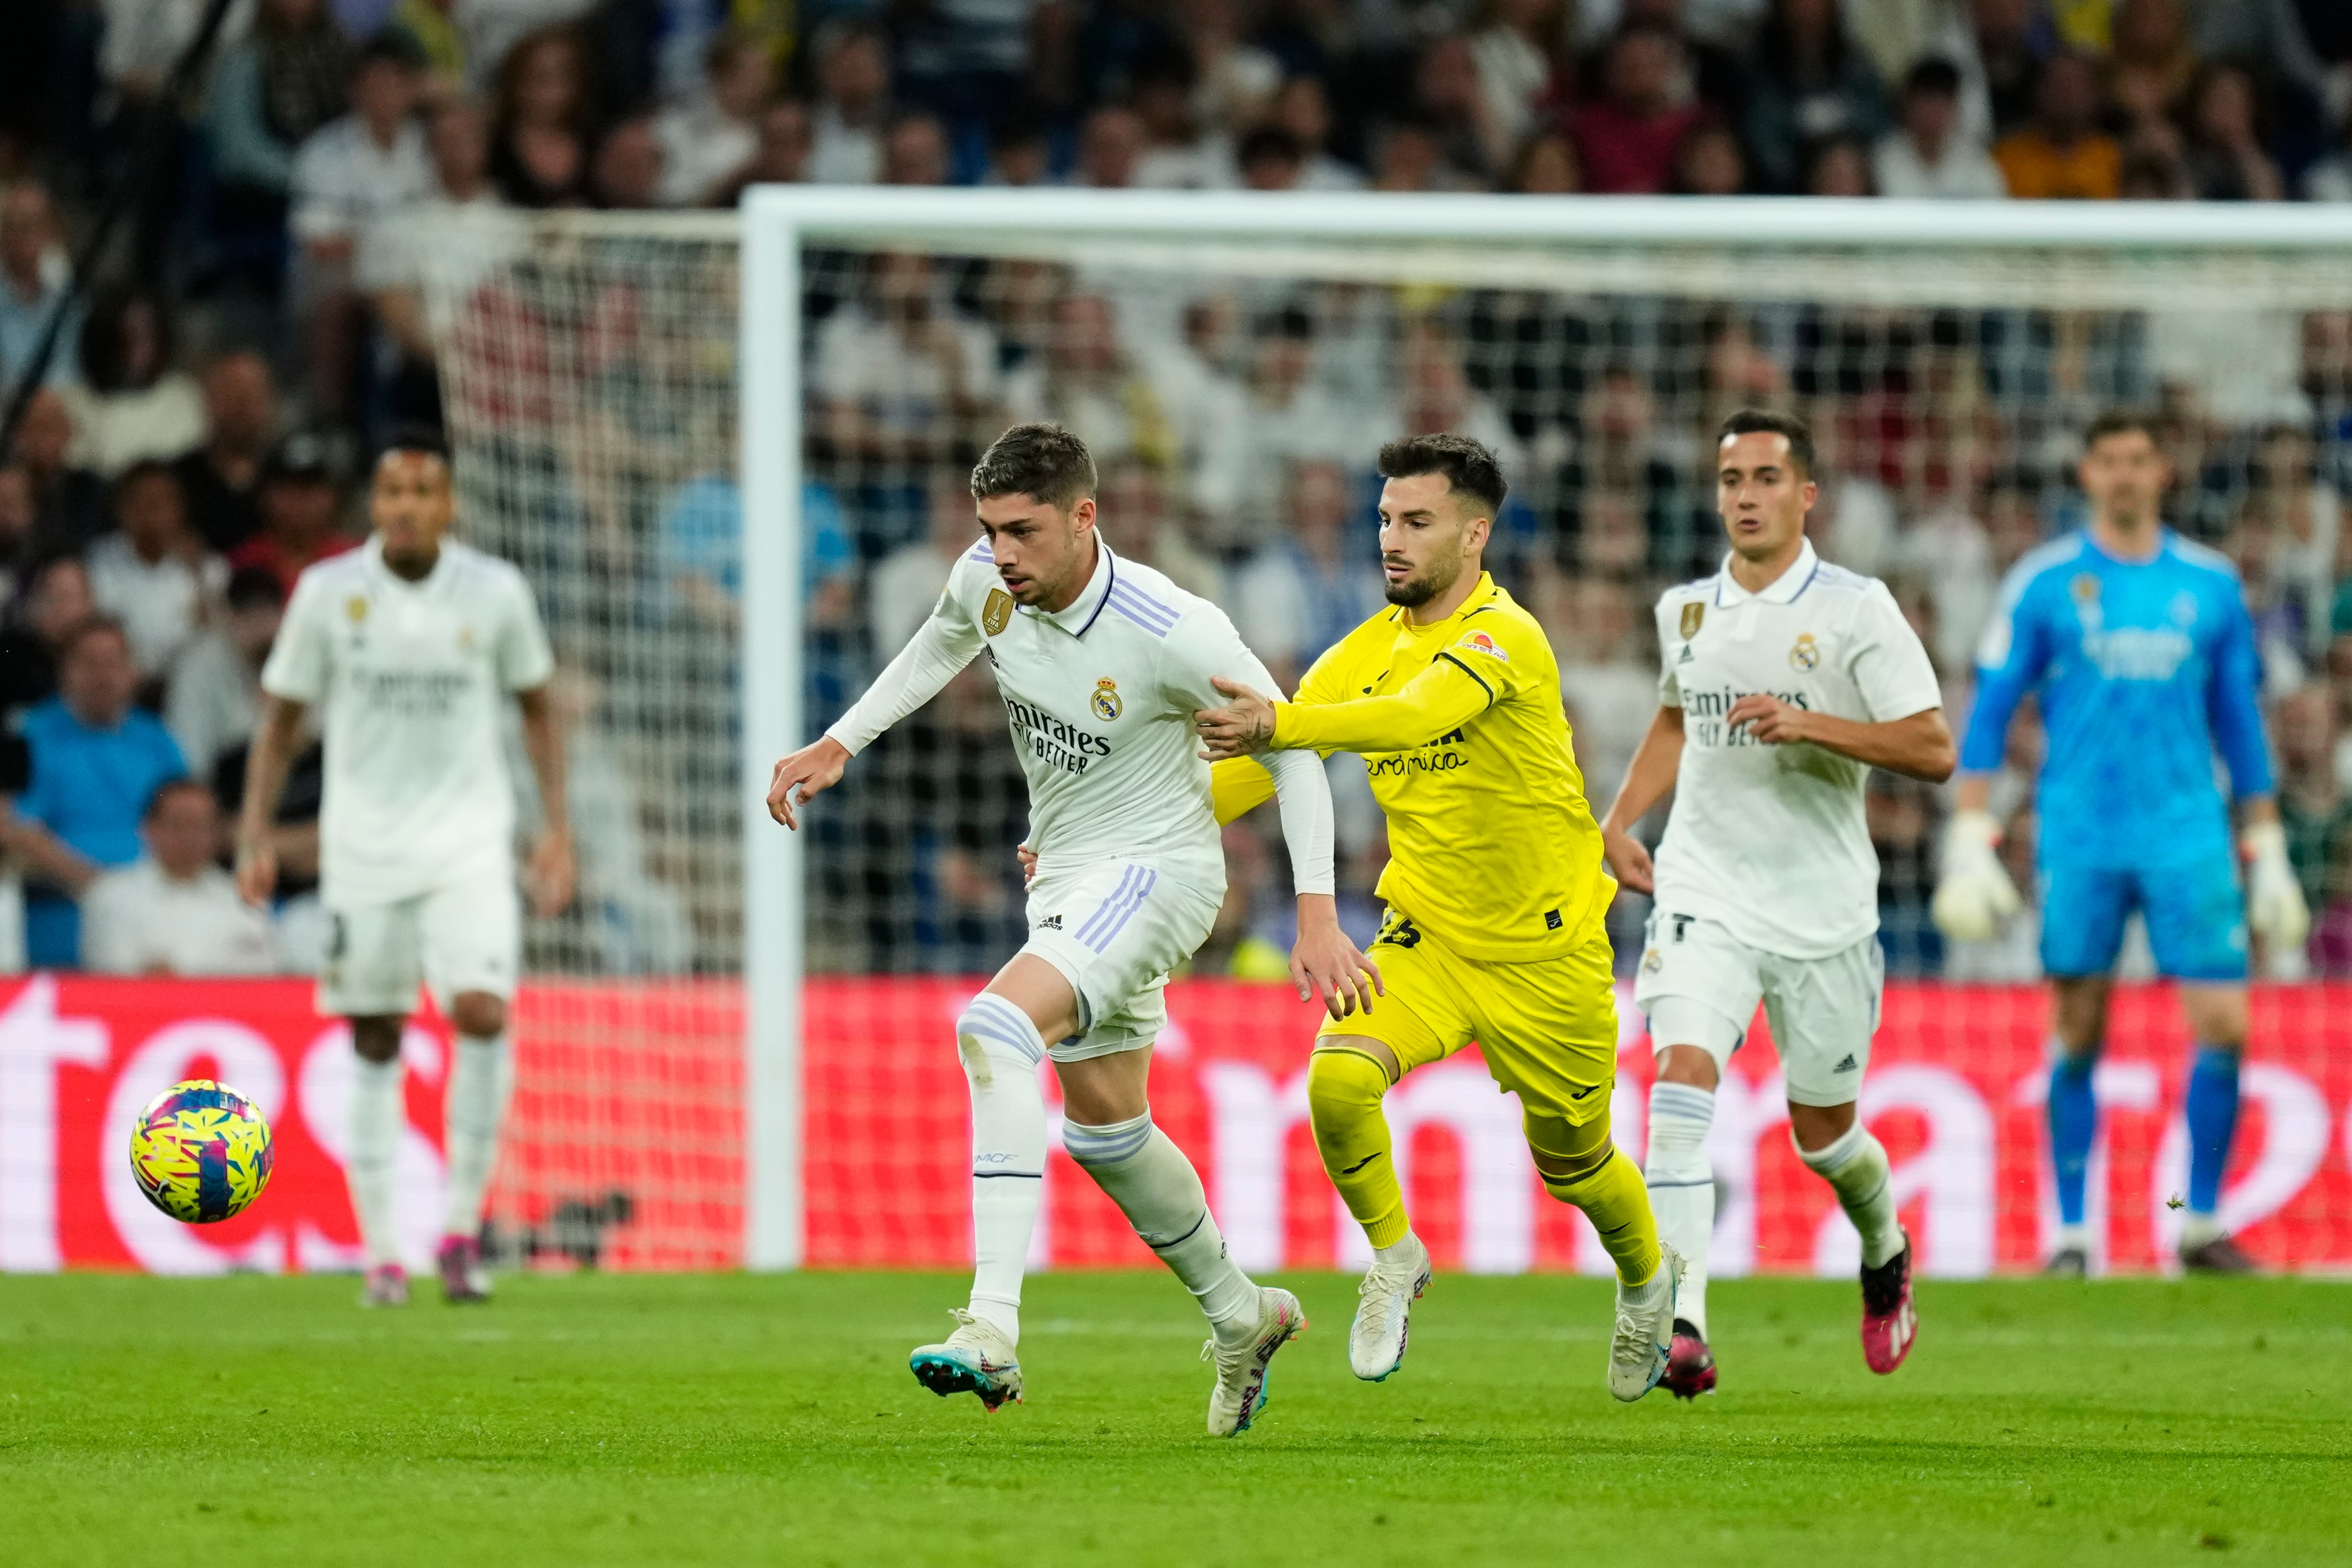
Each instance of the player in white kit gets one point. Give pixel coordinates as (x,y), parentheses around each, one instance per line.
(1785,681)
(1101,662)
(414,645)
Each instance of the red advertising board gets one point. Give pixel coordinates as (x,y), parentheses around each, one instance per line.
(634,1091)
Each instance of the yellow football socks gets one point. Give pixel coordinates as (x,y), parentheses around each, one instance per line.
(1344,1089)
(1579,1165)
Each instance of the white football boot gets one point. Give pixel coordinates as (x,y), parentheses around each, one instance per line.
(1240,1392)
(1376,1340)
(976,1359)
(1645,1328)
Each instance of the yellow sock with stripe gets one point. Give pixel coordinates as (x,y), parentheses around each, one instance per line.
(1344,1091)
(1602,1183)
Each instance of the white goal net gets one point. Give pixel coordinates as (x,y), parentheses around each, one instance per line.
(730,455)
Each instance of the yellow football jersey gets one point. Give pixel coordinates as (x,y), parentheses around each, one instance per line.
(1493,849)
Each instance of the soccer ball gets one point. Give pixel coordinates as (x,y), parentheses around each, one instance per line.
(201,1151)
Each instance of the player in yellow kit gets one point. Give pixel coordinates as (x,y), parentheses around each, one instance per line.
(1495,891)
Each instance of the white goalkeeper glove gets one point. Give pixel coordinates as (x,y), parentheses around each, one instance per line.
(2275,905)
(1974,894)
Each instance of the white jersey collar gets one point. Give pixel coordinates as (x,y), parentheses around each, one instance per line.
(1079,613)
(373,553)
(1782,590)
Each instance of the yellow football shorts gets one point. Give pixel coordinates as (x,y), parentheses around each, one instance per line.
(1548,1029)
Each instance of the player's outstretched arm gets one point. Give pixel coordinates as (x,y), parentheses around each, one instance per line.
(274,737)
(940,647)
(1920,746)
(1656,762)
(554,871)
(1443,696)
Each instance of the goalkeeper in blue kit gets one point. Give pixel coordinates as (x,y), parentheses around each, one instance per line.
(2139,647)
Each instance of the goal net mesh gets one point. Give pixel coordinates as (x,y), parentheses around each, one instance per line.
(1234,394)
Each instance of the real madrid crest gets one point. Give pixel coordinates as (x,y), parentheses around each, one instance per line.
(1805,654)
(1104,700)
(1653,960)
(1693,614)
(997,613)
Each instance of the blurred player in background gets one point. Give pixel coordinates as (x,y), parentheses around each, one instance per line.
(1784,681)
(2139,647)
(1494,892)
(1101,663)
(414,645)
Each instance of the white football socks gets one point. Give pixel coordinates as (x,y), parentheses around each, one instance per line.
(1856,1167)
(1156,1187)
(480,1086)
(1681,1186)
(373,1156)
(1000,1049)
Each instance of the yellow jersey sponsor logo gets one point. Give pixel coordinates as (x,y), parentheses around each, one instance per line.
(1479,642)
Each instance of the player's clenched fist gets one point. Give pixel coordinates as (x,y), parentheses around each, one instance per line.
(806,773)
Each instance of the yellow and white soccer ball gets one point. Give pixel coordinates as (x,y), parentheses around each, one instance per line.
(201,1151)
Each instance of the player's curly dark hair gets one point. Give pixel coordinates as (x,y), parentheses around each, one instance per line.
(1768,422)
(1044,462)
(1466,464)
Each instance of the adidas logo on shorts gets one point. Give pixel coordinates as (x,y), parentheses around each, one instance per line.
(1846,1066)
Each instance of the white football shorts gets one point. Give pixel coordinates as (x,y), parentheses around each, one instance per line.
(462,937)
(1699,987)
(1115,928)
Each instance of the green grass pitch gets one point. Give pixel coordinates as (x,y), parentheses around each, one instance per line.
(740,1420)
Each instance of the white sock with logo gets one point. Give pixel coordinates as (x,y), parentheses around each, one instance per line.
(372,1158)
(1156,1187)
(1000,1049)
(1681,1186)
(1856,1168)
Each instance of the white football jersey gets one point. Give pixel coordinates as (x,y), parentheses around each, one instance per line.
(1772,840)
(1100,697)
(414,678)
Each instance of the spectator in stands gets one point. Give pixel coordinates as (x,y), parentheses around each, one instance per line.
(915,151)
(903,586)
(2269,39)
(1928,156)
(1450,102)
(1607,677)
(1708,163)
(1811,84)
(1314,581)
(96,760)
(214,693)
(391,263)
(1516,55)
(173,912)
(711,136)
(52,599)
(1270,159)
(853,100)
(1019,154)
(1839,167)
(1999,57)
(2329,179)
(786,143)
(273,89)
(153,575)
(1627,139)
(899,373)
(429,30)
(2151,65)
(220,479)
(2150,175)
(1303,109)
(20,520)
(131,402)
(354,174)
(33,281)
(1235,79)
(2063,154)
(540,121)
(2225,155)
(1718,76)
(1286,418)
(299,506)
(1111,145)
(1136,508)
(1545,167)
(625,174)
(1180,152)
(1086,382)
(71,502)
(2317,813)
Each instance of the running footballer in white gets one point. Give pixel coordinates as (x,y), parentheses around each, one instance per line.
(1101,662)
(1785,681)
(413,645)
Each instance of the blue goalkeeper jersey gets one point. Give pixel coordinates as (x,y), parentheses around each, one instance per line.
(2144,670)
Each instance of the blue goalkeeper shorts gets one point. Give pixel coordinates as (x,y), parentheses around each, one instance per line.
(2196,916)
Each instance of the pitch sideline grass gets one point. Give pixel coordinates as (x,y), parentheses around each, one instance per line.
(738,1420)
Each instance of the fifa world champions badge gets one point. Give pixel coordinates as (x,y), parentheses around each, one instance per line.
(1693,614)
(997,613)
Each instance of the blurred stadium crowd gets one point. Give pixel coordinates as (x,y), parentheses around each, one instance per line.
(197,436)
